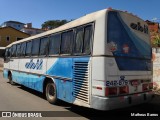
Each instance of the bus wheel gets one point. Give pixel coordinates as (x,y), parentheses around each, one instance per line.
(51,93)
(10,79)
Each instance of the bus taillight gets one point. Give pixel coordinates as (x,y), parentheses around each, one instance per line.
(150,85)
(111,91)
(123,90)
(145,87)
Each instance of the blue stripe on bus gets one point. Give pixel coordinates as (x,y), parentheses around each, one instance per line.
(63,67)
(5,73)
(29,80)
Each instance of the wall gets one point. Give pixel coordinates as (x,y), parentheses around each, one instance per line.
(154,27)
(12,33)
(156,66)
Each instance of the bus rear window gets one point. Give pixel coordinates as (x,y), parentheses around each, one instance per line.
(122,41)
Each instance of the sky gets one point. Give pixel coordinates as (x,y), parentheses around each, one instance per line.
(39,11)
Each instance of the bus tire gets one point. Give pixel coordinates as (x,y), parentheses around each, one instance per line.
(51,93)
(10,79)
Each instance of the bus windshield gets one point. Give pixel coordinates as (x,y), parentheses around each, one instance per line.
(128,36)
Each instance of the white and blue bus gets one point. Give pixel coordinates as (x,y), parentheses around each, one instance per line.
(101,60)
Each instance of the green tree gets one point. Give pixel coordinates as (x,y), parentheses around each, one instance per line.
(51,24)
(155,39)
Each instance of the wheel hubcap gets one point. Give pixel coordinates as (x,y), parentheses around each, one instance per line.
(51,91)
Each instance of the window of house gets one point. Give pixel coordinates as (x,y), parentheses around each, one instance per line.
(44,46)
(54,44)
(35,47)
(28,48)
(67,40)
(7,38)
(23,48)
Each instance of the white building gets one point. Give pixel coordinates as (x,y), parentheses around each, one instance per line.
(26,28)
(30,30)
(15,24)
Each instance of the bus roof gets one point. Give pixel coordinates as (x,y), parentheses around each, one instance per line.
(80,21)
(2,48)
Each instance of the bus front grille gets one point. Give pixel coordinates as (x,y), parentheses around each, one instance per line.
(81,81)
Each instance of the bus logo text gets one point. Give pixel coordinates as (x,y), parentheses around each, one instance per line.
(32,65)
(140,28)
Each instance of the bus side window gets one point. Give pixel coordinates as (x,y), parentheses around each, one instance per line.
(35,47)
(18,50)
(11,49)
(67,41)
(87,39)
(44,46)
(14,48)
(78,44)
(54,44)
(28,48)
(6,53)
(22,51)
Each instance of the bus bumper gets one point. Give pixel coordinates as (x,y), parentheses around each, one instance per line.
(105,103)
